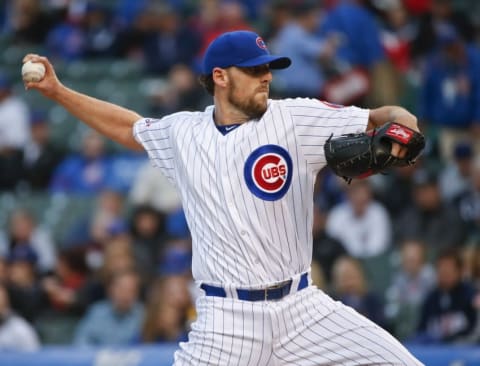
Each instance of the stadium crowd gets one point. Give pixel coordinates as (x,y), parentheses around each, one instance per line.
(118,271)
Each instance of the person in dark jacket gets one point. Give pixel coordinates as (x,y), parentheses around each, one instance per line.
(448,314)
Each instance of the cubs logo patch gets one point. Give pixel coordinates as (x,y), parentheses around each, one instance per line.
(268,172)
(261,43)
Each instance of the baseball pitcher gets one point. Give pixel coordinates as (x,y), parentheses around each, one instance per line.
(245,169)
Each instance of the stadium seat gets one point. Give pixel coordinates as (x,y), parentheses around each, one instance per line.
(66,210)
(378,270)
(56,329)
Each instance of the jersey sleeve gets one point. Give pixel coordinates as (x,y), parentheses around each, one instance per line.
(155,136)
(315,121)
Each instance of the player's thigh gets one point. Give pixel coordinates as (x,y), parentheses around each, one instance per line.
(227,332)
(340,337)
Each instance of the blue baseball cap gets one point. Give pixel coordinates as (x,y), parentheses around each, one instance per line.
(242,49)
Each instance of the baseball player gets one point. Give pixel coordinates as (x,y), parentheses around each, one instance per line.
(245,169)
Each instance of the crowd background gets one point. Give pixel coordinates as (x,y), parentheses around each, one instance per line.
(94,247)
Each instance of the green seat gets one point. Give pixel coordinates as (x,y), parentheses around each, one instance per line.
(34,202)
(378,271)
(56,329)
(67,210)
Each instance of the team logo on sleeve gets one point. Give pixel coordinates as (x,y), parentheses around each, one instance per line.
(268,172)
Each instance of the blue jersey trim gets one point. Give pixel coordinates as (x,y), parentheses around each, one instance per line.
(224,129)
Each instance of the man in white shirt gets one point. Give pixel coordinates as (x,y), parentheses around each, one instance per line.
(368,222)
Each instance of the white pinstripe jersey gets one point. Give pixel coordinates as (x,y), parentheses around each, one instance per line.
(248,194)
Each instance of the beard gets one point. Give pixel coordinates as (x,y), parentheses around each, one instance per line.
(253,108)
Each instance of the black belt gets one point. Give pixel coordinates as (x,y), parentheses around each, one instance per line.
(275,292)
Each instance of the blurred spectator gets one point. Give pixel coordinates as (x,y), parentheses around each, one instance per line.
(448,314)
(3,18)
(67,289)
(41,156)
(430,220)
(117,256)
(181,92)
(410,285)
(325,248)
(108,219)
(100,34)
(218,17)
(397,33)
(14,134)
(449,98)
(176,225)
(360,51)
(151,187)
(350,287)
(167,311)
(23,284)
(297,40)
(86,31)
(85,172)
(275,16)
(166,41)
(122,168)
(148,235)
(3,269)
(329,189)
(96,230)
(15,333)
(360,36)
(395,190)
(25,231)
(430,24)
(469,203)
(28,23)
(416,7)
(118,319)
(66,41)
(369,227)
(176,258)
(127,11)
(455,177)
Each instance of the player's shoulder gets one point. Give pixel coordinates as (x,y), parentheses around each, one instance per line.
(185,116)
(174,119)
(307,104)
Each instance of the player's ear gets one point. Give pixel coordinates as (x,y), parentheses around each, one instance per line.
(220,76)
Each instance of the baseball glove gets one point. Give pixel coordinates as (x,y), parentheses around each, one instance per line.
(363,154)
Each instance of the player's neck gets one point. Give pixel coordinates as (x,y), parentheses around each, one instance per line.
(227,114)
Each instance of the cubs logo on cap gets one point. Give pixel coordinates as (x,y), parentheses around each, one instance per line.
(261,43)
(268,172)
(241,49)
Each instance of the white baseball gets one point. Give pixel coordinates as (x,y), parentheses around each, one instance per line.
(33,71)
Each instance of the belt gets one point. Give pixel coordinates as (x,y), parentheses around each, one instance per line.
(275,292)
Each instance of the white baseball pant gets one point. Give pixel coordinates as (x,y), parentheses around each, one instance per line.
(304,328)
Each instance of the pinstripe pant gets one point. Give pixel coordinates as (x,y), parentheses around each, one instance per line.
(304,328)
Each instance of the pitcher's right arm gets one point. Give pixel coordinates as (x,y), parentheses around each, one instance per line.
(111,120)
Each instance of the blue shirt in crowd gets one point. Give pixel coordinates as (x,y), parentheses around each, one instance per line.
(450,95)
(304,76)
(104,326)
(360,43)
(79,175)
